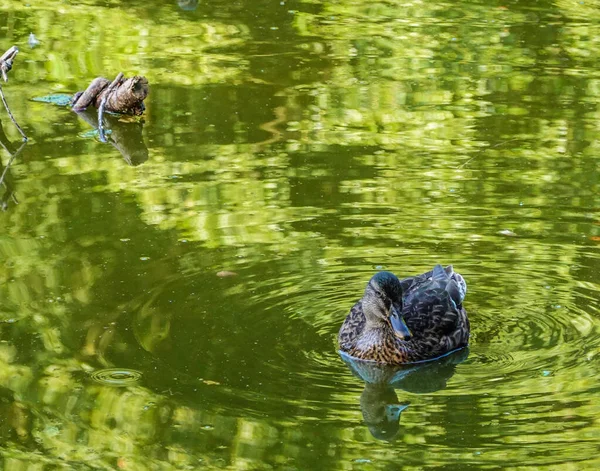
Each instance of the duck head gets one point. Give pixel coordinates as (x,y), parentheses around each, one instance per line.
(381,411)
(382,303)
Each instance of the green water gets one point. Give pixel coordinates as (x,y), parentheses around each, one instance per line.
(288,151)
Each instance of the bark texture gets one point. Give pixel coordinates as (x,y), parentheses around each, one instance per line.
(127,97)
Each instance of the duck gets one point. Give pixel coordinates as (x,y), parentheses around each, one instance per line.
(416,319)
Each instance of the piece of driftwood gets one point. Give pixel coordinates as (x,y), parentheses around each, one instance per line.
(109,92)
(6,63)
(125,97)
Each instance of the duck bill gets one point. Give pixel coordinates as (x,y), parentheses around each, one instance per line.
(400,328)
(393,411)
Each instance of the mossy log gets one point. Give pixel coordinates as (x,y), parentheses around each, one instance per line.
(125,97)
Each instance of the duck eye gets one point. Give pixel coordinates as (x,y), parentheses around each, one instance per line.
(381,294)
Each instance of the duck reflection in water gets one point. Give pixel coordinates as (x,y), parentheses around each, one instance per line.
(379,402)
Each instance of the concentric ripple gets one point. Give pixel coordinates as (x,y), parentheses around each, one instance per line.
(118,377)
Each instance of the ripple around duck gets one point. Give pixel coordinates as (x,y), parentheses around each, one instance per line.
(266,343)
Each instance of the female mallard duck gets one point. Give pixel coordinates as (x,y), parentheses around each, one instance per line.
(406,321)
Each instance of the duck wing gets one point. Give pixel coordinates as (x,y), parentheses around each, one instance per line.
(439,276)
(433,304)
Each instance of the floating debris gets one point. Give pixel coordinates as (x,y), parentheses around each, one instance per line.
(32,41)
(187,5)
(210,382)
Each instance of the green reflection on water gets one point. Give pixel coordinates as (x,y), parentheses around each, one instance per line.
(289,150)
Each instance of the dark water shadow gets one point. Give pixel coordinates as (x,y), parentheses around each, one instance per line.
(126,137)
(379,402)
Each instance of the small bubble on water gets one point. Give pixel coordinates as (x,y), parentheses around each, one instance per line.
(207,427)
(362,460)
(546,373)
(143,259)
(124,240)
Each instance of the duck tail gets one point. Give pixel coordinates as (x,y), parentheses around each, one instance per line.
(456,287)
(439,274)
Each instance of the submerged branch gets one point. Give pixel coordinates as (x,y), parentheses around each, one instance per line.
(5,176)
(10,161)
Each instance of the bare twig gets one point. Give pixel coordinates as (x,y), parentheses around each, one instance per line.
(10,161)
(6,61)
(9,194)
(10,115)
(108,92)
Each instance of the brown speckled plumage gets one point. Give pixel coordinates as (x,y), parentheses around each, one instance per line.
(431,306)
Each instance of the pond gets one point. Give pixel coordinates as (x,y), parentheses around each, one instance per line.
(171,299)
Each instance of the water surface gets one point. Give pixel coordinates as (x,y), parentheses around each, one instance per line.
(201,265)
